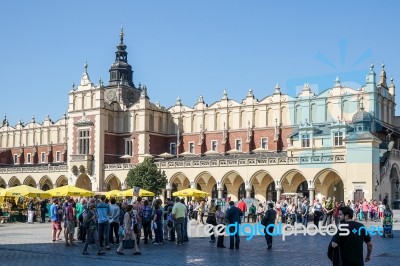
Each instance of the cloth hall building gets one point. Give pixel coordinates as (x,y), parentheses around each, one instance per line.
(342,142)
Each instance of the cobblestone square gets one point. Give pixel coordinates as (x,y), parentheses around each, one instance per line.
(30,244)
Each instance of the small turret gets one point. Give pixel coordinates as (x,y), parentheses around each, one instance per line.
(392,89)
(382,77)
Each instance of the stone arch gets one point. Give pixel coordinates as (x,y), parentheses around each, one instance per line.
(260,181)
(13,182)
(233,180)
(291,180)
(323,173)
(242,191)
(206,181)
(61,181)
(199,176)
(3,183)
(112,182)
(394,176)
(82,169)
(181,180)
(45,183)
(29,181)
(83,181)
(328,183)
(226,176)
(214,192)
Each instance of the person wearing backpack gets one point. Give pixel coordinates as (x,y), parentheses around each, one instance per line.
(146,220)
(90,222)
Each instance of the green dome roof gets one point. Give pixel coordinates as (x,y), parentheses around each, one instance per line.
(361,116)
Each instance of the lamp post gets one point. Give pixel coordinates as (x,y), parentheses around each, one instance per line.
(397,186)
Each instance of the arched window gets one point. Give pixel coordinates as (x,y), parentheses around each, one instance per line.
(271,192)
(214,192)
(303,189)
(242,192)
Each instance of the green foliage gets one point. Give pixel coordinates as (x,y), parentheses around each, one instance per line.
(146,175)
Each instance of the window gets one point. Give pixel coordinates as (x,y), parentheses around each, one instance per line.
(338,138)
(43,157)
(264,143)
(58,156)
(305,140)
(238,144)
(191,147)
(172,148)
(128,147)
(15,158)
(214,144)
(28,158)
(83,142)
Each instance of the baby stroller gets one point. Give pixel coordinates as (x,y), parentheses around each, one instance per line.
(387,227)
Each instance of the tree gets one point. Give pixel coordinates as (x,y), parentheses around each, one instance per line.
(146,175)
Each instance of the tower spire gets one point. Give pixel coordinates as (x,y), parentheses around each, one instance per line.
(121,35)
(120,71)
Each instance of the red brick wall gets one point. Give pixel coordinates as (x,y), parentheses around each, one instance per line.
(6,157)
(210,137)
(186,139)
(158,144)
(114,148)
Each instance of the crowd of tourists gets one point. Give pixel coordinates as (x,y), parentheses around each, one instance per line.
(124,225)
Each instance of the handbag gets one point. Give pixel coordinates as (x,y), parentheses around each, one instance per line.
(128,243)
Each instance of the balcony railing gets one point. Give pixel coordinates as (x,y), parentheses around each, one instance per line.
(81,157)
(34,169)
(119,166)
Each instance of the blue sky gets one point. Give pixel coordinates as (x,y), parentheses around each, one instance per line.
(190,48)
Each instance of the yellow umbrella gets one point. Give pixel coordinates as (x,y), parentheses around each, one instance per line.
(69,191)
(190,192)
(24,191)
(142,193)
(115,194)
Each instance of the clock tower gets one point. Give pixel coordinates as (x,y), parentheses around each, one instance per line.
(120,71)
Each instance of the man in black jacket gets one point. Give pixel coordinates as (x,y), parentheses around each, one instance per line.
(233,216)
(269,219)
